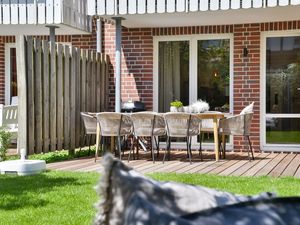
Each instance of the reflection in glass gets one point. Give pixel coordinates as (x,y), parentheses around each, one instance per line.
(283,75)
(173,73)
(283,130)
(214,73)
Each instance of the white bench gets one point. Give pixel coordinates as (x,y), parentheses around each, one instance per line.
(9,119)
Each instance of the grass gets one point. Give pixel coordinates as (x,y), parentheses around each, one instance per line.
(283,186)
(68,197)
(49,198)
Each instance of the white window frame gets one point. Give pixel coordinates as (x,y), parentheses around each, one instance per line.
(193,88)
(263,145)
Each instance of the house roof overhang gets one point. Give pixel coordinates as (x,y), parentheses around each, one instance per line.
(39,29)
(219,17)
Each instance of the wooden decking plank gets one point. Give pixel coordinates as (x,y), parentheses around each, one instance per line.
(90,168)
(297,174)
(77,165)
(225,165)
(237,164)
(264,167)
(291,169)
(166,170)
(277,171)
(214,165)
(233,168)
(58,165)
(250,164)
(163,167)
(151,166)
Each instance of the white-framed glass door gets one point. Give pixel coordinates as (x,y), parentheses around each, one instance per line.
(281,92)
(189,68)
(11,89)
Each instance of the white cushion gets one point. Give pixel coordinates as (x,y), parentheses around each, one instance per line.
(248,109)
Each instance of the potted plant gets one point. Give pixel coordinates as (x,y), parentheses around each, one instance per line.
(176,106)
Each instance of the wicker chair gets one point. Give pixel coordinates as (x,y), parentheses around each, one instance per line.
(114,124)
(181,125)
(238,125)
(90,125)
(147,124)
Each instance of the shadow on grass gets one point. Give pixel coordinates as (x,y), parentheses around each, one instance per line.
(28,191)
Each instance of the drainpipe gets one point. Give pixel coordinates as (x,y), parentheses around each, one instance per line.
(99,36)
(52,32)
(118,21)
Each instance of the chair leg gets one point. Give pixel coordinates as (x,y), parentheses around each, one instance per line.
(119,147)
(97,148)
(189,149)
(152,149)
(166,149)
(250,148)
(200,149)
(169,149)
(157,145)
(131,147)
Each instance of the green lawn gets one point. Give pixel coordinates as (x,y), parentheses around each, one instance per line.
(68,197)
(50,198)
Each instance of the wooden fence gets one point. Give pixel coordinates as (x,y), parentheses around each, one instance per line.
(57,82)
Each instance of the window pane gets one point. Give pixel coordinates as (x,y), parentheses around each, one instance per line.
(283,130)
(173,73)
(13,72)
(283,75)
(214,73)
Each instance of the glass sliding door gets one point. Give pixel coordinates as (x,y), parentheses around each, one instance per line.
(173,69)
(282,103)
(190,68)
(214,73)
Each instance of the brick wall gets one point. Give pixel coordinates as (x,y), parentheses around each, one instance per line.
(137,64)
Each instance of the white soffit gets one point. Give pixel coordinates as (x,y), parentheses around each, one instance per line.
(27,29)
(220,17)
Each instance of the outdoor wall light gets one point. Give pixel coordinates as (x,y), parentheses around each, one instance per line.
(246,52)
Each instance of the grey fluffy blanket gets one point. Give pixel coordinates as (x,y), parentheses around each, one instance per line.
(129,198)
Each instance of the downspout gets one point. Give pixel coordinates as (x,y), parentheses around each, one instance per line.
(99,36)
(118,23)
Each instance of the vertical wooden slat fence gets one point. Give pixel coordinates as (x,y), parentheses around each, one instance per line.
(61,81)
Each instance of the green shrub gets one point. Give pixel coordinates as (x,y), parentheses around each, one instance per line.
(4,143)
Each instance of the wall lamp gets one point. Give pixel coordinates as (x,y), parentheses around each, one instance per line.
(246,52)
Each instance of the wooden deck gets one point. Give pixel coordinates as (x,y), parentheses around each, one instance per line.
(235,164)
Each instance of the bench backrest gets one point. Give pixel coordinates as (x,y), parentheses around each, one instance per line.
(9,115)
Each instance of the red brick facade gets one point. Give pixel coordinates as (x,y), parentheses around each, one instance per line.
(137,62)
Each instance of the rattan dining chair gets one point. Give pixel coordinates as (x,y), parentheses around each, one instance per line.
(238,125)
(113,124)
(181,125)
(147,124)
(90,126)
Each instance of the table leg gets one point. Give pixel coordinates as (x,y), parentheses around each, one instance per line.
(216,138)
(97,141)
